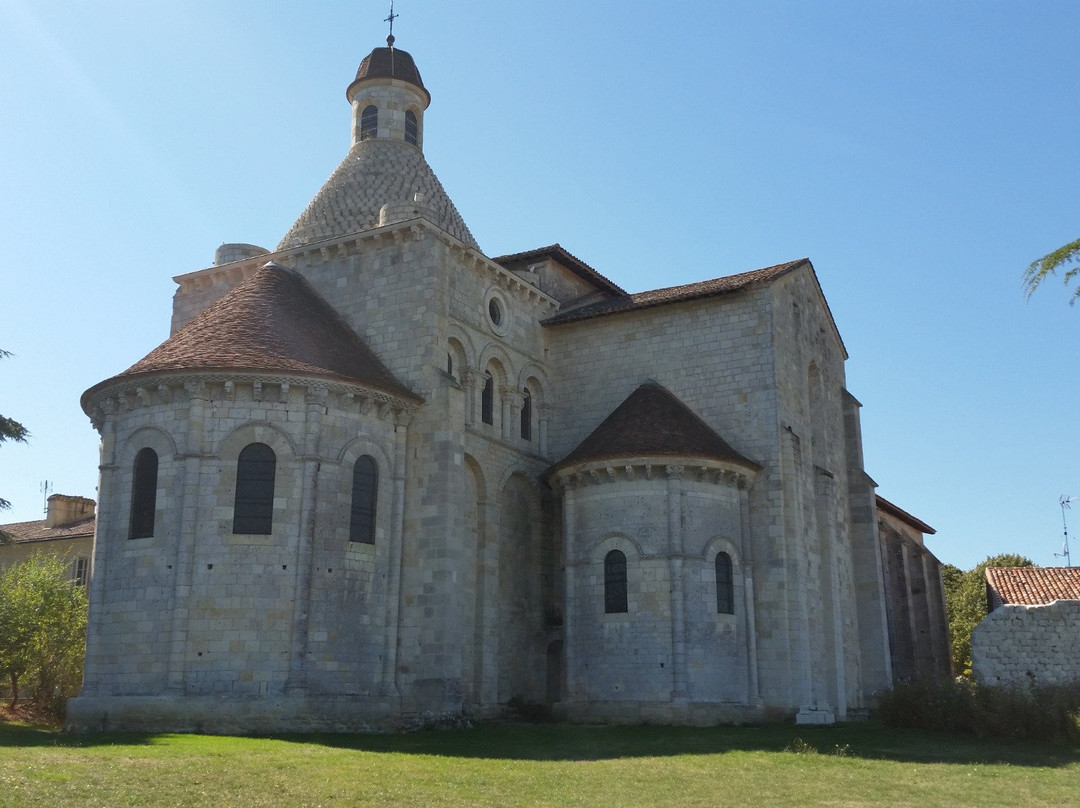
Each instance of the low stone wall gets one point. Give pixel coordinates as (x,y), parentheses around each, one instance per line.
(1016,645)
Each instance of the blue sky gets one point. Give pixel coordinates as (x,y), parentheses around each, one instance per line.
(921,154)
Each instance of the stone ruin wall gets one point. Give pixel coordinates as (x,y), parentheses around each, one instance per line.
(1016,645)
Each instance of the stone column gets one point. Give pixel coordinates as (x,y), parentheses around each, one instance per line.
(471,380)
(570,593)
(105,534)
(397,533)
(315,399)
(187,530)
(753,695)
(675,570)
(511,404)
(543,417)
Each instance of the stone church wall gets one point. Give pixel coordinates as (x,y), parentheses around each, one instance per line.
(1028,645)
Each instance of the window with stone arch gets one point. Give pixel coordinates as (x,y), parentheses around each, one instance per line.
(143,494)
(725,585)
(369,122)
(365,492)
(615,582)
(253,506)
(487,399)
(412,130)
(526,414)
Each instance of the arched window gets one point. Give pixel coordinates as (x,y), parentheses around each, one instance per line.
(615,582)
(143,494)
(725,585)
(253,508)
(487,400)
(412,132)
(365,488)
(369,122)
(526,415)
(449,364)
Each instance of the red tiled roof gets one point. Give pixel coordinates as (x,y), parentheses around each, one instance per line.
(272,322)
(1033,586)
(559,254)
(37,531)
(652,421)
(675,294)
(894,510)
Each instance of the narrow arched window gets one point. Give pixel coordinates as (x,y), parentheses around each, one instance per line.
(412,132)
(143,494)
(526,415)
(615,582)
(487,400)
(369,122)
(365,489)
(449,364)
(253,508)
(725,585)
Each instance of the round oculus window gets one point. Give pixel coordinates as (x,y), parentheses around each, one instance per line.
(495,312)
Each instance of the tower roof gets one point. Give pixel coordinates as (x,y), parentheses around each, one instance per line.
(272,322)
(389,63)
(378,171)
(652,421)
(374,173)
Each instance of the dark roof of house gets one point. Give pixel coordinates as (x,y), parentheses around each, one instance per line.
(37,530)
(893,510)
(273,321)
(676,294)
(389,63)
(561,256)
(652,421)
(1033,586)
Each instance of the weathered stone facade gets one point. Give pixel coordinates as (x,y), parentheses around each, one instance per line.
(1020,646)
(753,577)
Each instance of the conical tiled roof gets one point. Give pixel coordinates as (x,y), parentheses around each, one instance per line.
(374,173)
(272,322)
(653,422)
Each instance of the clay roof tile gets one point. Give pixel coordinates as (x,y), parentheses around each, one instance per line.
(652,421)
(1033,586)
(272,321)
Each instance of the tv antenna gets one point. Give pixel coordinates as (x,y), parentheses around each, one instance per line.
(1065,500)
(46,489)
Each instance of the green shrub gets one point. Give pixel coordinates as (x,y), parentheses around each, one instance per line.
(1038,712)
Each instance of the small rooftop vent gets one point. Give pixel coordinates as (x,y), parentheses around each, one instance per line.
(229,253)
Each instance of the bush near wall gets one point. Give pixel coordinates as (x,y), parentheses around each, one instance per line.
(42,632)
(1036,713)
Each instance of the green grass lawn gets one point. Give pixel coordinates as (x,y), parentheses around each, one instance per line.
(850,765)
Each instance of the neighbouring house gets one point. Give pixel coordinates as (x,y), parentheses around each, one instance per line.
(915,597)
(1032,632)
(375,476)
(66,531)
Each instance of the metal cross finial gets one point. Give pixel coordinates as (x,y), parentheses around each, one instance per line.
(390,19)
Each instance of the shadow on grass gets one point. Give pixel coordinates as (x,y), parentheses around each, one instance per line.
(555,742)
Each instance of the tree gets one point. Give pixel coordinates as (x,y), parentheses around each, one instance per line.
(42,629)
(1049,264)
(9,430)
(965,602)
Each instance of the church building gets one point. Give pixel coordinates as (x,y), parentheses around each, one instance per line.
(376,477)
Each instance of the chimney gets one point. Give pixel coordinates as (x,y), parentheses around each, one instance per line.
(64,509)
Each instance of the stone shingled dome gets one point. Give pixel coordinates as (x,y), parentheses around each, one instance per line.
(375,173)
